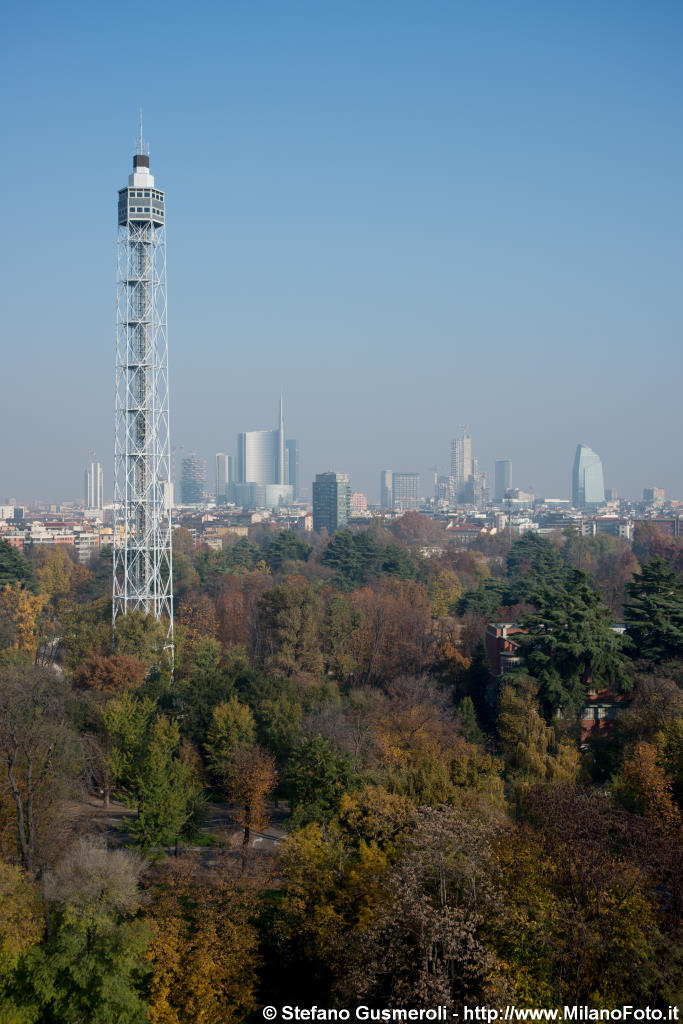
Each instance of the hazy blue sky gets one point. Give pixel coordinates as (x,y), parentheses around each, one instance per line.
(405,215)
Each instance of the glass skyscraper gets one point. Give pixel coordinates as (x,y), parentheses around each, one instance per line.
(292,466)
(331,501)
(261,455)
(588,484)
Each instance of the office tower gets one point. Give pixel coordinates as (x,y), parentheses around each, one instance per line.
(225,467)
(292,466)
(385,489)
(462,466)
(588,485)
(261,468)
(331,501)
(93,486)
(142,573)
(503,478)
(405,490)
(192,479)
(261,455)
(257,457)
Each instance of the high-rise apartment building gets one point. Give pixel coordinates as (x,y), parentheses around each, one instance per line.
(461,461)
(405,490)
(142,570)
(359,504)
(503,478)
(94,498)
(588,484)
(331,501)
(193,479)
(464,471)
(385,489)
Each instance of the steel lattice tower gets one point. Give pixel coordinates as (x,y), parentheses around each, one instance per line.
(143,578)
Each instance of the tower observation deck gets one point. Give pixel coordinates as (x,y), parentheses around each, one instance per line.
(143,578)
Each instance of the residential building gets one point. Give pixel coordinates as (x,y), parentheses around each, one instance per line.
(359,504)
(192,480)
(93,486)
(86,543)
(462,466)
(501,649)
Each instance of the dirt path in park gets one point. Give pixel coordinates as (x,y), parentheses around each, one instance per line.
(90,817)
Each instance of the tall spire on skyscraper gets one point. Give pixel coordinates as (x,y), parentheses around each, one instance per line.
(281,445)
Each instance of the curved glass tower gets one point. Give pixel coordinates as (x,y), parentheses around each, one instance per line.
(142,515)
(588,485)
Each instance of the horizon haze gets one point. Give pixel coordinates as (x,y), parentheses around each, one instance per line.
(404,217)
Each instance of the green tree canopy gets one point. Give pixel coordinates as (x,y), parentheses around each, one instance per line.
(291,615)
(232,725)
(316,777)
(359,557)
(569,646)
(163,788)
(654,612)
(92,967)
(534,561)
(484,599)
(284,546)
(15,568)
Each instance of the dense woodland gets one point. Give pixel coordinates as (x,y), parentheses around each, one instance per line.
(449,838)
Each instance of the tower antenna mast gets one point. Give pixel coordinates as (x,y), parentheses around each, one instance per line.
(142,571)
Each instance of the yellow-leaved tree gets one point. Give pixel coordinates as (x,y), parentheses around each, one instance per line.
(204,954)
(20,610)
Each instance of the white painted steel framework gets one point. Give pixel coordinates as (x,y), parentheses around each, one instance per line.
(143,577)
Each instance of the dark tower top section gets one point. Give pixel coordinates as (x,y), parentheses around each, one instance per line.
(140,160)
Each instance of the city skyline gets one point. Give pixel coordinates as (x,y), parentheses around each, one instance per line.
(396,259)
(426,491)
